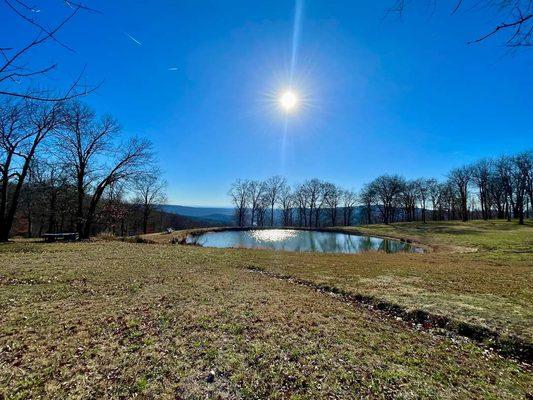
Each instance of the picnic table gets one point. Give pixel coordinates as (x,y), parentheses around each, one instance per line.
(65,236)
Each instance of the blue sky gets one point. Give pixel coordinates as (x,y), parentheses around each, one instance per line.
(379,95)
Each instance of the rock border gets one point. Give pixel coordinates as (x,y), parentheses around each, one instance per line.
(507,346)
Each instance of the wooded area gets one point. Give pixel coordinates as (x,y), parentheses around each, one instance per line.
(63,168)
(499,188)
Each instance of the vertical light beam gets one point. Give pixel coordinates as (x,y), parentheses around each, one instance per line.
(296,31)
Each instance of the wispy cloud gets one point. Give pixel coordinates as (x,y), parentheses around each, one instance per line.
(132,38)
(173,69)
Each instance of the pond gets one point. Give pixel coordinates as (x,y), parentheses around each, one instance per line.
(299,240)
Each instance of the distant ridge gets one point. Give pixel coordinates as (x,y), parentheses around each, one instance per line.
(220,215)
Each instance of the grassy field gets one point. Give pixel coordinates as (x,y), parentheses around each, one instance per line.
(118,320)
(494,239)
(478,272)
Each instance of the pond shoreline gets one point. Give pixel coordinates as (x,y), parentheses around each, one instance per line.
(181,237)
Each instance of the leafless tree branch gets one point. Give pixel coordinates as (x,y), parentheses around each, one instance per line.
(516,24)
(521,24)
(10,71)
(33,22)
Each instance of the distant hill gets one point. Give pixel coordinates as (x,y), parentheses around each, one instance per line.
(176,221)
(213,216)
(217,215)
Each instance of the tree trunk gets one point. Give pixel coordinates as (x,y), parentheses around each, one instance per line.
(7,223)
(146,214)
(52,217)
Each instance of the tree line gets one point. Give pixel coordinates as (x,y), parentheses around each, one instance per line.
(272,202)
(64,168)
(490,188)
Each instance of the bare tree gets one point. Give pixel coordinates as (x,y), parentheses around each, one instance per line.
(47,197)
(256,192)
(423,188)
(273,186)
(313,190)
(349,201)
(503,167)
(88,147)
(263,205)
(80,143)
(450,200)
(332,198)
(286,203)
(239,197)
(301,202)
(113,211)
(127,164)
(481,172)
(460,178)
(521,168)
(149,192)
(409,196)
(23,128)
(29,200)
(528,170)
(46,192)
(368,197)
(435,195)
(387,189)
(497,192)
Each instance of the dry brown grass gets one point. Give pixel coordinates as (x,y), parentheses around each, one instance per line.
(118,320)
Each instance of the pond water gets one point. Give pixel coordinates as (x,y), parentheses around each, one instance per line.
(299,240)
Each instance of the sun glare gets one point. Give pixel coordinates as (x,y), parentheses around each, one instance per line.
(288,100)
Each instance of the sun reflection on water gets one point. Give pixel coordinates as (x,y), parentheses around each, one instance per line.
(272,235)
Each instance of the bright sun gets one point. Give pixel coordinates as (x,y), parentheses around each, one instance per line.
(288,100)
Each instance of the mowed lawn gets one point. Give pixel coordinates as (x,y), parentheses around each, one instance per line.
(118,320)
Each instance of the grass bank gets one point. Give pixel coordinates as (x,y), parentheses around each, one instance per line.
(115,319)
